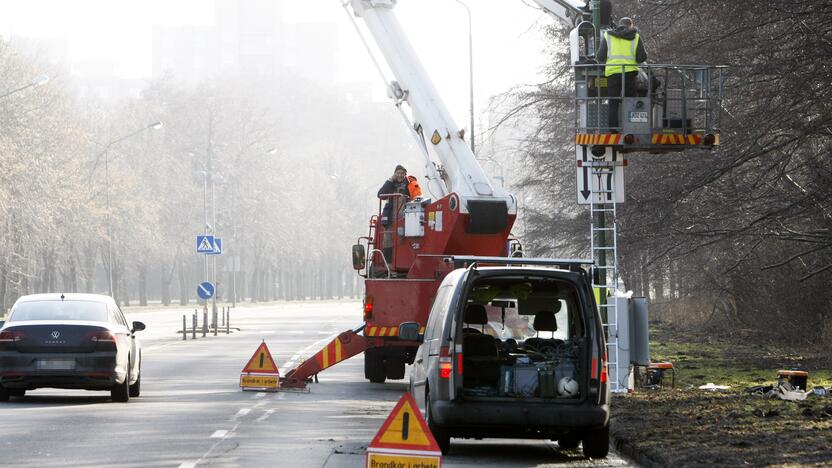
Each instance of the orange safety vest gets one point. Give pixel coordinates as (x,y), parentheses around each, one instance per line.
(413,187)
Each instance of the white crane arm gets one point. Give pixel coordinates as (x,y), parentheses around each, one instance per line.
(430,117)
(569,12)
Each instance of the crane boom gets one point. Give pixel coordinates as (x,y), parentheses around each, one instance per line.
(569,12)
(431,119)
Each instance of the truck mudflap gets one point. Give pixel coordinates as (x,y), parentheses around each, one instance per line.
(344,346)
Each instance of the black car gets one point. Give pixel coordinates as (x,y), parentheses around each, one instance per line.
(515,352)
(76,341)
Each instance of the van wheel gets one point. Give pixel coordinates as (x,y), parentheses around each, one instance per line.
(443,439)
(597,442)
(374,368)
(136,388)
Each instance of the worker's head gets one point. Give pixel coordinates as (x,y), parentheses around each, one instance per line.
(626,22)
(399,173)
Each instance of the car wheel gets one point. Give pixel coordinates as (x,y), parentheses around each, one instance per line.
(136,388)
(443,439)
(121,392)
(4,394)
(569,441)
(597,442)
(374,368)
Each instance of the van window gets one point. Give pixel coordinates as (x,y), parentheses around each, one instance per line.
(439,311)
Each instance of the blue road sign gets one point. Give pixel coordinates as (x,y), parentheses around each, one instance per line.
(205,244)
(217,246)
(205,290)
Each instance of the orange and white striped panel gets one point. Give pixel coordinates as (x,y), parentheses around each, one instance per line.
(332,354)
(373,330)
(598,139)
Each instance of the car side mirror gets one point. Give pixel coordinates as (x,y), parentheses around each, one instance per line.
(409,331)
(359,257)
(138,326)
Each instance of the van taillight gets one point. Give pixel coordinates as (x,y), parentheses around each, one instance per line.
(445,362)
(8,338)
(604,368)
(368,308)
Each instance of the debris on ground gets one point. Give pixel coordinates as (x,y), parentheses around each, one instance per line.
(711,387)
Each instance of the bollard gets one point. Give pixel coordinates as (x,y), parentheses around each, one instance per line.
(204,322)
(223,316)
(215,323)
(194,326)
(184,328)
(228,321)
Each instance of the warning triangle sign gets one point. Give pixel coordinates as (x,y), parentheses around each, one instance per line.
(262,362)
(405,429)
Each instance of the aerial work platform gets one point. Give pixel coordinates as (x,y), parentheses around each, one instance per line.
(669,108)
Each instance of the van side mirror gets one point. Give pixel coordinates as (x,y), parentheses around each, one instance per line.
(138,326)
(359,257)
(409,331)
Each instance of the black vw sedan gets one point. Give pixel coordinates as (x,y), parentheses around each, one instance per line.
(77,341)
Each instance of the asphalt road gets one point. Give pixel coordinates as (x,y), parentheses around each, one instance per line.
(192,412)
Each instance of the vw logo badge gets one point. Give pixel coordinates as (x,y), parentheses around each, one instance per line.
(55,334)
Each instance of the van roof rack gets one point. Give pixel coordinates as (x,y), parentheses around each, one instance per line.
(461,261)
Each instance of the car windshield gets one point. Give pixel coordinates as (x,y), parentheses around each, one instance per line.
(59,310)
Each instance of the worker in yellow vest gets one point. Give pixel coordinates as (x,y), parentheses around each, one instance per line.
(621,50)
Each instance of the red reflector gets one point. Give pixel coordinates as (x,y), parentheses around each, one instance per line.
(629,139)
(626,162)
(594,374)
(580,163)
(368,308)
(710,139)
(459,364)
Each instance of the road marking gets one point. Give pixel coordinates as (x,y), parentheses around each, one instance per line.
(265,416)
(321,332)
(260,395)
(241,413)
(188,465)
(219,434)
(208,453)
(305,351)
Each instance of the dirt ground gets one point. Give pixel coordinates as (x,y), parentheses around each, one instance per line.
(686,426)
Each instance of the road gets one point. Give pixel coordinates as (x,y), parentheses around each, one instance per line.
(192,412)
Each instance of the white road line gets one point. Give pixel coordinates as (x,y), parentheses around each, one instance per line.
(188,465)
(260,395)
(305,351)
(208,453)
(242,412)
(321,332)
(265,416)
(219,434)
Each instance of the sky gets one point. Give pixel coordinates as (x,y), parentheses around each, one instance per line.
(508,39)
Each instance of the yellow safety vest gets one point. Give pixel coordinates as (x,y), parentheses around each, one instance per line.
(620,52)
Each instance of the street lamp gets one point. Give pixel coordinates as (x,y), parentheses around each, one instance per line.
(470,69)
(105,154)
(37,81)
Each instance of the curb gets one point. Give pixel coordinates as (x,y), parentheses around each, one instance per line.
(631,451)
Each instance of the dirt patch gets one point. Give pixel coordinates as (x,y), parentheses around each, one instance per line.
(686,426)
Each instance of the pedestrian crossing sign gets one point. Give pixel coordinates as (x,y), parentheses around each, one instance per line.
(205,244)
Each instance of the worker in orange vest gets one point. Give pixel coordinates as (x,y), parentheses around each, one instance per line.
(399,183)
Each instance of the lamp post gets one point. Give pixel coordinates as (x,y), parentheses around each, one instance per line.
(37,81)
(105,154)
(470,69)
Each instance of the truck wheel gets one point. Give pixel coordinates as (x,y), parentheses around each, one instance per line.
(374,368)
(394,368)
(597,442)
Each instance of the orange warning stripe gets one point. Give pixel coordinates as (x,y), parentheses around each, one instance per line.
(373,330)
(598,139)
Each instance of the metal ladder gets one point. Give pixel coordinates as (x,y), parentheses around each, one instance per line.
(602,206)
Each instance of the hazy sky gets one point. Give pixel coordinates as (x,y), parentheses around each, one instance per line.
(507,37)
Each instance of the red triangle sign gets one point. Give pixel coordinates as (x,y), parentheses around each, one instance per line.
(405,429)
(262,362)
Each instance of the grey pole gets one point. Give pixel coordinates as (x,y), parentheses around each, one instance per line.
(193,329)
(184,328)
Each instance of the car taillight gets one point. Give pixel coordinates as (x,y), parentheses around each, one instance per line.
(604,368)
(445,362)
(368,308)
(104,339)
(8,338)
